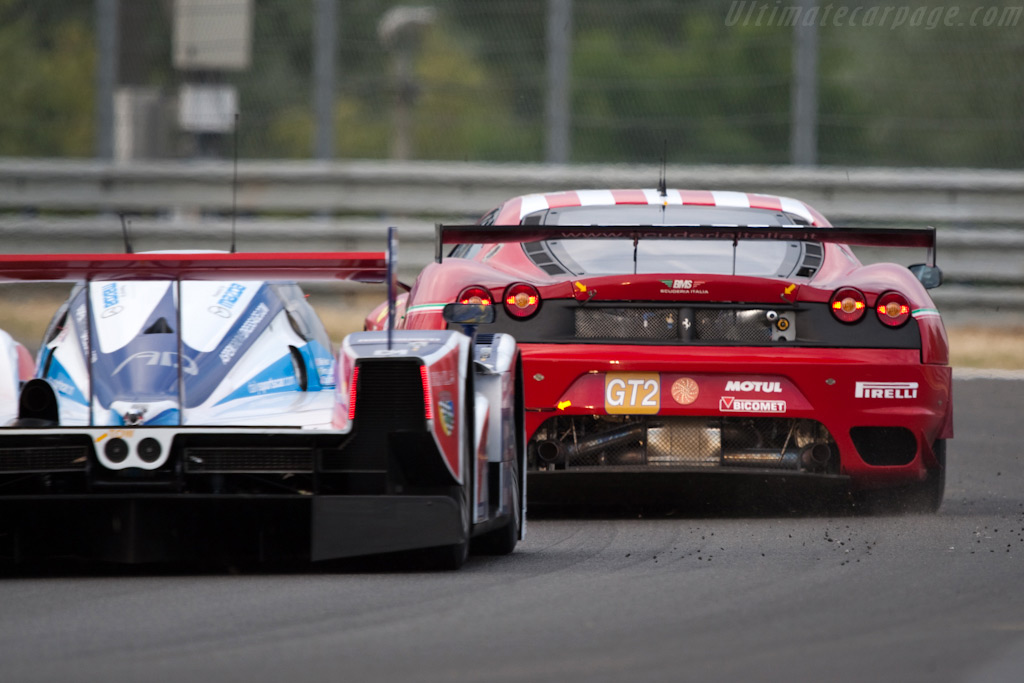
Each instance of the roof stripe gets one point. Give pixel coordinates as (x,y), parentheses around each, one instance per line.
(764,201)
(737,199)
(518,208)
(560,199)
(630,197)
(700,197)
(596,197)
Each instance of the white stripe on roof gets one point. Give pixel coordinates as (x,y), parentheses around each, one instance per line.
(595,197)
(532,203)
(796,207)
(654,197)
(738,199)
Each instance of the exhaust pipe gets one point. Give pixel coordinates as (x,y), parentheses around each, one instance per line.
(561,453)
(814,458)
(768,458)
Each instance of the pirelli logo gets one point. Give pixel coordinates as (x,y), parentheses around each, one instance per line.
(893,390)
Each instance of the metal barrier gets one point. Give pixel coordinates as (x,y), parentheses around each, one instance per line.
(71,204)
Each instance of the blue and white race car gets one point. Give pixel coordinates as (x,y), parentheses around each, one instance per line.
(189,405)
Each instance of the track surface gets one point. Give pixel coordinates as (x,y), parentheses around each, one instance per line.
(710,597)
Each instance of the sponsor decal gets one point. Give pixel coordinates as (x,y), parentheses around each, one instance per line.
(390,352)
(231,296)
(894,390)
(630,393)
(685,391)
(731,404)
(446,413)
(747,387)
(684,286)
(219,311)
(270,384)
(247,328)
(111,312)
(62,387)
(110,297)
(166,359)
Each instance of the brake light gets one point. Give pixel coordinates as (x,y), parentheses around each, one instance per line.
(848,305)
(521,300)
(352,394)
(428,412)
(475,294)
(893,309)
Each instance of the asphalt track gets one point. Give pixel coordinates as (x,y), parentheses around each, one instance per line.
(720,596)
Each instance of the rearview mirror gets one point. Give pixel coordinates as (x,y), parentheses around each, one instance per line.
(468,314)
(930,276)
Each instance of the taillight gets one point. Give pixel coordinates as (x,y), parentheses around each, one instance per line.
(893,309)
(521,300)
(428,412)
(352,394)
(475,294)
(848,305)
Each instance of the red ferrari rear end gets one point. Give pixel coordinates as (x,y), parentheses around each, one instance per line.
(678,332)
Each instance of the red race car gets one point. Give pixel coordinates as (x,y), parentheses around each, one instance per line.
(673,332)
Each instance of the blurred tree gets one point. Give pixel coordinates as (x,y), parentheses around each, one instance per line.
(47,80)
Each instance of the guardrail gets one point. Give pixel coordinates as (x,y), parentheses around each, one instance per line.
(347,205)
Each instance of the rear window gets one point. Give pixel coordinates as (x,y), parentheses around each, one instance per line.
(592,257)
(762,258)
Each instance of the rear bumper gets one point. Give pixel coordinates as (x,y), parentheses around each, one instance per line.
(828,385)
(142,528)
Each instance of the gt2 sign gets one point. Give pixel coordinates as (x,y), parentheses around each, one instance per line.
(632,393)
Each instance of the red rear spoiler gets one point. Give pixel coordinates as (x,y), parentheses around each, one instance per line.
(357,266)
(873,237)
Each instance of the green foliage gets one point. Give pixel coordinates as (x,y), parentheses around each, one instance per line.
(645,75)
(48,89)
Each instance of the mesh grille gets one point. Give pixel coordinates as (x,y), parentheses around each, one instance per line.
(57,459)
(390,396)
(691,442)
(248,460)
(627,323)
(673,323)
(749,325)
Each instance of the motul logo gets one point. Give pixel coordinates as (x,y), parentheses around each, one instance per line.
(902,390)
(762,387)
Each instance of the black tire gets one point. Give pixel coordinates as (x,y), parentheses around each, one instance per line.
(452,557)
(926,496)
(501,541)
(923,497)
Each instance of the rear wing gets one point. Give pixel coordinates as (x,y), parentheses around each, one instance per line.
(870,237)
(356,266)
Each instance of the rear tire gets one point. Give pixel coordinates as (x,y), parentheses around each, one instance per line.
(452,557)
(922,497)
(926,496)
